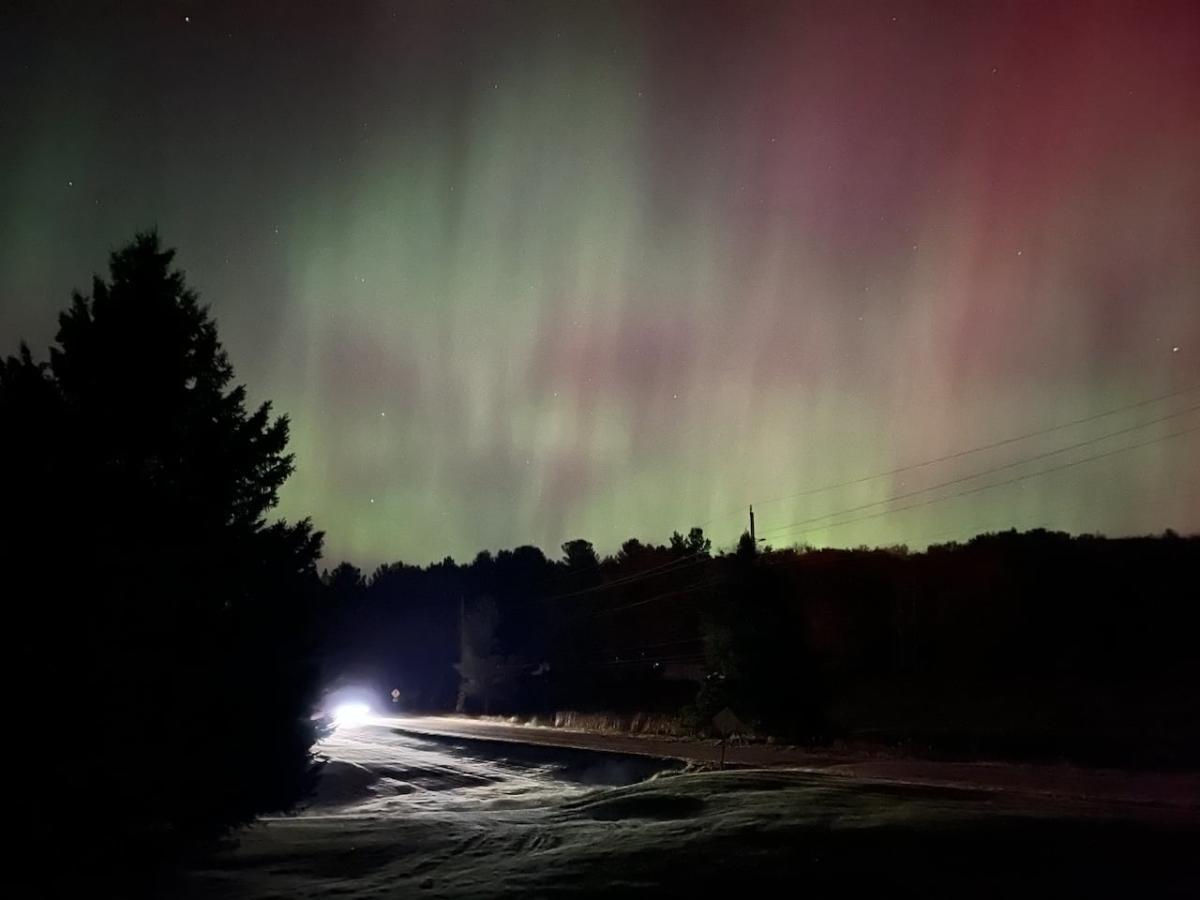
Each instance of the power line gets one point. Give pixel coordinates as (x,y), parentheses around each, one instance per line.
(671,566)
(685,590)
(1008,481)
(929,538)
(988,471)
(686,562)
(958,454)
(713,581)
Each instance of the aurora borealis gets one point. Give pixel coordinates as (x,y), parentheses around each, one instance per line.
(523,272)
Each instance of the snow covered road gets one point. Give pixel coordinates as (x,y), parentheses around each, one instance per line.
(379,769)
(405,815)
(1142,794)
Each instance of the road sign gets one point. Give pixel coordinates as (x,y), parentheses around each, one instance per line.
(726,722)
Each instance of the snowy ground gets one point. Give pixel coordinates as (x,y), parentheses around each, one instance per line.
(1126,793)
(400,814)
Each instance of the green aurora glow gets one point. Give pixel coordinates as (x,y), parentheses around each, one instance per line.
(519,273)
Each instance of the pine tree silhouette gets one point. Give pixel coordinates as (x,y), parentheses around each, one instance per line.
(163,625)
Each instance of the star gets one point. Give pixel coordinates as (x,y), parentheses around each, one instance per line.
(187,19)
(382,415)
(1174,349)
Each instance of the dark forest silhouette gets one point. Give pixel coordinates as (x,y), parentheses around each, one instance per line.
(160,626)
(1034,645)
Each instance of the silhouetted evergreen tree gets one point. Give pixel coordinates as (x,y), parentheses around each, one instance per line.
(745,547)
(164,623)
(695,544)
(580,555)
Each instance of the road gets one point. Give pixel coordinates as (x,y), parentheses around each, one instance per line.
(454,808)
(396,765)
(1153,794)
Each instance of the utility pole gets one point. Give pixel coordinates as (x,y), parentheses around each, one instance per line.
(752,539)
(461,700)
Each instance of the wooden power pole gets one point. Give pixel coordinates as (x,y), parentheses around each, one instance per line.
(460,703)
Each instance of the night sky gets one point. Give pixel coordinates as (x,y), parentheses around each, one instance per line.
(524,272)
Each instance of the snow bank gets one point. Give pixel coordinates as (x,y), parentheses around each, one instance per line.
(406,817)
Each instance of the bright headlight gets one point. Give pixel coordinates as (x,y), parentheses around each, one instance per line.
(349,714)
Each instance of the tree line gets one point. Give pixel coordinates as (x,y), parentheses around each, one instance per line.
(1032,644)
